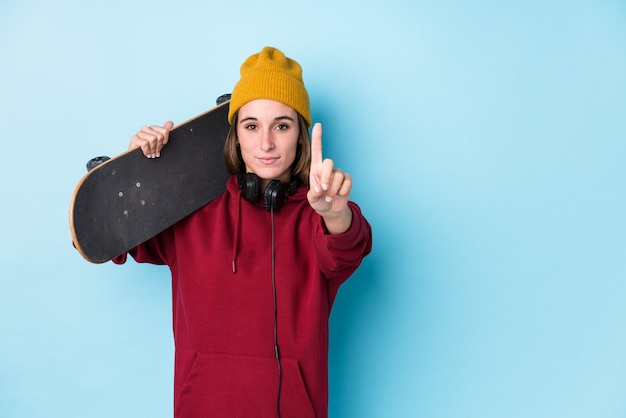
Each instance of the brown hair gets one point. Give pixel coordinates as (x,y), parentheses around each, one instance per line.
(300,167)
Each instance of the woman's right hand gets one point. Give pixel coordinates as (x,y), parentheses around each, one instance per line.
(151,139)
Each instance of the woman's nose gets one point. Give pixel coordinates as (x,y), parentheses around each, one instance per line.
(267,142)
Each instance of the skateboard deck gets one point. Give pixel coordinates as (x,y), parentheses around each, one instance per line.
(127,200)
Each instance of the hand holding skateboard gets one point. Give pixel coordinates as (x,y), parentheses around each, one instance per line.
(151,139)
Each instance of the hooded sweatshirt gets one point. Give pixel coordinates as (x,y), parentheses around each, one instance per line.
(252,293)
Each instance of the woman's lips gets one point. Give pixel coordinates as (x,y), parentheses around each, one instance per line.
(267,160)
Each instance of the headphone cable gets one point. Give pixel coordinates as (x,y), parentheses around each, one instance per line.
(276,352)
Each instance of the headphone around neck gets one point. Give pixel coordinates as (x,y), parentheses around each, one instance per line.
(274,195)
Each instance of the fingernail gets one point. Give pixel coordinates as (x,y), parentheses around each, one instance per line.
(158,154)
(324,186)
(328,199)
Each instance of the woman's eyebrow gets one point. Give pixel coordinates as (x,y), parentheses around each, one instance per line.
(247,119)
(285,117)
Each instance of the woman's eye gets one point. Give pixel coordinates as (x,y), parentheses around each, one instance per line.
(251,127)
(282,127)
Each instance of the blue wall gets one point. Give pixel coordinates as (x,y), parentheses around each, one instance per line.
(488,146)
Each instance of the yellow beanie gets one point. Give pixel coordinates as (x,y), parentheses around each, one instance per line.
(273,76)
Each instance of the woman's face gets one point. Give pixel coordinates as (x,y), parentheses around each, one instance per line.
(268,138)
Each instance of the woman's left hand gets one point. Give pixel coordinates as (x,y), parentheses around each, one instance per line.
(329,188)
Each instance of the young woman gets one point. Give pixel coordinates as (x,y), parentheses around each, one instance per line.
(255,272)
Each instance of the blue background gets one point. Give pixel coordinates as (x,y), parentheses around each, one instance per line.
(488,145)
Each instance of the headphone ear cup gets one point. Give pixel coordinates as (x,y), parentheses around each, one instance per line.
(250,185)
(274,195)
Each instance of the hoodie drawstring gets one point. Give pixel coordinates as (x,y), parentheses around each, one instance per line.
(236,235)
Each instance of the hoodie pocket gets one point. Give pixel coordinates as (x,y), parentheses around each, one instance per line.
(242,386)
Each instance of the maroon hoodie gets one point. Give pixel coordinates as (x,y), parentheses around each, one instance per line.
(236,292)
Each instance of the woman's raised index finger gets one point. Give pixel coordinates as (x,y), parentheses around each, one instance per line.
(316,144)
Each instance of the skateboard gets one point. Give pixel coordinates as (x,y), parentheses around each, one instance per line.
(124,201)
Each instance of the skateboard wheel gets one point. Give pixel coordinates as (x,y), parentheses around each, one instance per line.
(95,162)
(223,98)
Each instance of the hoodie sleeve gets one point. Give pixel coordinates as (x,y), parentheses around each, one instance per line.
(157,250)
(339,255)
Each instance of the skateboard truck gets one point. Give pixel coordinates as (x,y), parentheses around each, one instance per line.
(95,162)
(223,98)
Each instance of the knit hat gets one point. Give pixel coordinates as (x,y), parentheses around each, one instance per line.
(271,75)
